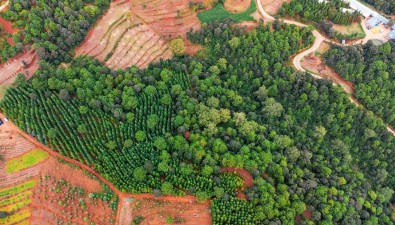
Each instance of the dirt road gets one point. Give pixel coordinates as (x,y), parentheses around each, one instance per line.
(318,40)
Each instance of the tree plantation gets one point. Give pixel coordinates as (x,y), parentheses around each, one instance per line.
(169,129)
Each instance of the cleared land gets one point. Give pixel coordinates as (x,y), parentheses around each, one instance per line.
(349,30)
(314,64)
(272,6)
(179,210)
(137,33)
(14,66)
(237,6)
(38,191)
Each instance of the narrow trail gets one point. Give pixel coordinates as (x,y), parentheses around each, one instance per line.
(319,38)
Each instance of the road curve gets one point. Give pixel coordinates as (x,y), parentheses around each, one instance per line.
(317,42)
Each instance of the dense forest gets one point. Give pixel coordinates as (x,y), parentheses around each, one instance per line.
(387,7)
(55,27)
(170,128)
(317,11)
(370,68)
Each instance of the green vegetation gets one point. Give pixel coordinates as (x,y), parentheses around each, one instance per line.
(10,45)
(54,28)
(370,68)
(219,13)
(18,188)
(170,128)
(26,160)
(315,11)
(387,7)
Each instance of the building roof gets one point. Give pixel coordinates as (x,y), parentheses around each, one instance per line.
(393,27)
(391,35)
(374,21)
(366,11)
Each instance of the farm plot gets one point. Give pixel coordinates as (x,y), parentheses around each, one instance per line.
(36,188)
(27,160)
(164,210)
(14,202)
(60,201)
(137,33)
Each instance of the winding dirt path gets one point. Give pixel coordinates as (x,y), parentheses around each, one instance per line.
(318,40)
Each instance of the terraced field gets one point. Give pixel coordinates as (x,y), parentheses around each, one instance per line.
(137,32)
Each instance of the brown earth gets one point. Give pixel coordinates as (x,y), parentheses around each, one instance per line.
(75,176)
(183,210)
(137,32)
(47,210)
(315,65)
(14,66)
(237,6)
(244,174)
(272,6)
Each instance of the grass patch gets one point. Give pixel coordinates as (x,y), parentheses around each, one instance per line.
(220,13)
(353,31)
(17,189)
(26,160)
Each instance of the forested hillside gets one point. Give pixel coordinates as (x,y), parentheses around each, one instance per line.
(317,11)
(370,68)
(170,128)
(55,27)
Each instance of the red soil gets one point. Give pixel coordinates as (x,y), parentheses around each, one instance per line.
(244,174)
(315,64)
(183,210)
(137,32)
(7,26)
(46,198)
(195,211)
(14,66)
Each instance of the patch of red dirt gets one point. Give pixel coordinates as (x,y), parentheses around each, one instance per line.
(14,66)
(191,48)
(183,210)
(244,174)
(7,25)
(237,6)
(57,197)
(137,32)
(315,64)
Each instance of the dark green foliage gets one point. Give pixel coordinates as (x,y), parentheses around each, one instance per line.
(219,13)
(314,150)
(370,68)
(7,49)
(313,10)
(55,27)
(387,7)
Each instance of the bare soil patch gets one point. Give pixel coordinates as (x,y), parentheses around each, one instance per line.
(247,177)
(14,66)
(237,6)
(137,32)
(181,210)
(315,65)
(347,30)
(272,6)
(46,201)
